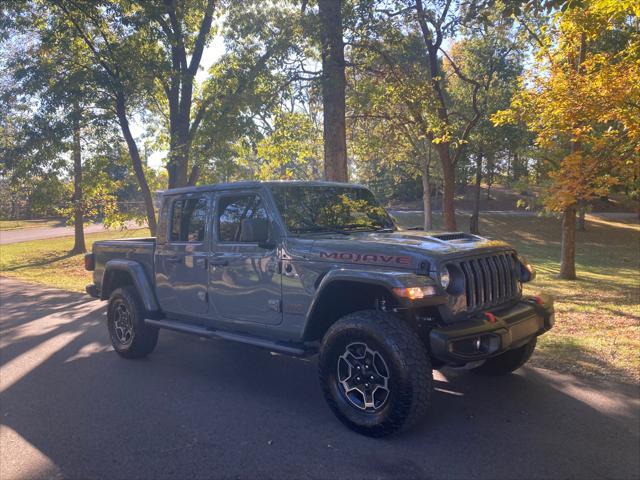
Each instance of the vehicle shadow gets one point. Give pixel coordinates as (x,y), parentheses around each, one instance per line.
(195,408)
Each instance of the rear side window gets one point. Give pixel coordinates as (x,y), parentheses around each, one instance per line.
(188,220)
(233,210)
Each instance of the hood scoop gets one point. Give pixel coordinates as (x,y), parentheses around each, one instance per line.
(449,237)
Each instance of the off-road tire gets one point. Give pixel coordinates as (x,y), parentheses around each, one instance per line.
(410,374)
(143,337)
(508,361)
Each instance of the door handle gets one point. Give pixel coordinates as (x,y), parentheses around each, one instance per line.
(174,259)
(219,262)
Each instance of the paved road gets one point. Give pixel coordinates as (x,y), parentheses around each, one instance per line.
(71,408)
(37,233)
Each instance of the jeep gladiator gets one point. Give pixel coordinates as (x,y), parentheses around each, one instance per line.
(305,268)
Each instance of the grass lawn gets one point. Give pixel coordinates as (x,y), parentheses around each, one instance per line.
(18,224)
(49,262)
(597,330)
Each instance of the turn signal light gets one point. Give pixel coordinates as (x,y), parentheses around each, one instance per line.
(89,262)
(415,293)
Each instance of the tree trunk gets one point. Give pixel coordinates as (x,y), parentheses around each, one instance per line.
(474,224)
(568,253)
(426,192)
(568,249)
(448,188)
(178,165)
(137,163)
(490,171)
(333,91)
(78,207)
(581,213)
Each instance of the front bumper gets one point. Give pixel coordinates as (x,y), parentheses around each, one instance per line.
(92,290)
(490,334)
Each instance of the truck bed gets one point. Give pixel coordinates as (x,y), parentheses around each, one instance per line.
(138,249)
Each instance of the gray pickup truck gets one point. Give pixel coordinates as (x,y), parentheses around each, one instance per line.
(313,267)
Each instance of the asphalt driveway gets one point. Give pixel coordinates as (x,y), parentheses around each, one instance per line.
(71,408)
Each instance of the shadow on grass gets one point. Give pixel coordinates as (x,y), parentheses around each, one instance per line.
(566,354)
(40,263)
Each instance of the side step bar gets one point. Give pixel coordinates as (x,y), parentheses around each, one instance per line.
(297,350)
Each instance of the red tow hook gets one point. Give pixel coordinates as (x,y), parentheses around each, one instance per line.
(538,300)
(491,317)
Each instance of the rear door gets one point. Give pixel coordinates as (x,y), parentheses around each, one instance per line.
(244,278)
(182,256)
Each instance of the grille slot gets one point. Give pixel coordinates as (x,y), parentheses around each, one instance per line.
(490,280)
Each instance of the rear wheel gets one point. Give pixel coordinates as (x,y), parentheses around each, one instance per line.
(508,361)
(375,373)
(130,336)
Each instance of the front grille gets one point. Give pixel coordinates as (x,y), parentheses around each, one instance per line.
(490,280)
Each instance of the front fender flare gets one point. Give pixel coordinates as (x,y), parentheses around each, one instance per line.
(386,279)
(140,281)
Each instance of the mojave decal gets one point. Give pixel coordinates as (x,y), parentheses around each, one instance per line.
(401,260)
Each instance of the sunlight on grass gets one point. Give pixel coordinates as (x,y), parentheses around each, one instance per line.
(49,262)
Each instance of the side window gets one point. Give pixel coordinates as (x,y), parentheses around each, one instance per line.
(188,220)
(233,210)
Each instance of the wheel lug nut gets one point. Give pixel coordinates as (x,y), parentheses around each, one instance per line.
(366,385)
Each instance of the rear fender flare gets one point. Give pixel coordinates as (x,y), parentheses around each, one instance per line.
(139,278)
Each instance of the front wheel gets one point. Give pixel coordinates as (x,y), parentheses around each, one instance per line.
(375,373)
(130,336)
(508,361)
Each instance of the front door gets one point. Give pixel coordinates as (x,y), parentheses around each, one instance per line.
(244,278)
(181,261)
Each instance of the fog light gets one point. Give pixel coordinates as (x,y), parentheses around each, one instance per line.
(473,346)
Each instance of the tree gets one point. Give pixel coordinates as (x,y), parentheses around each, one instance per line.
(583,94)
(113,66)
(144,57)
(333,90)
(390,105)
(492,55)
(440,20)
(51,79)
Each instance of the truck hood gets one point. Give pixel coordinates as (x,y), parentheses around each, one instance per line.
(407,249)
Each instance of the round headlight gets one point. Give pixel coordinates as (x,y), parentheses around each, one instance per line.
(445,276)
(526,270)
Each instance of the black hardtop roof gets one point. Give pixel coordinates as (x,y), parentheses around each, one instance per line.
(254,184)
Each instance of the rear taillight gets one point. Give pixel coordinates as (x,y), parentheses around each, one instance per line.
(89,262)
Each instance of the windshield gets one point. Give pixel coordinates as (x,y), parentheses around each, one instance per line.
(308,209)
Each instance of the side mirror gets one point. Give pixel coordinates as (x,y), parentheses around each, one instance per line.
(256,230)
